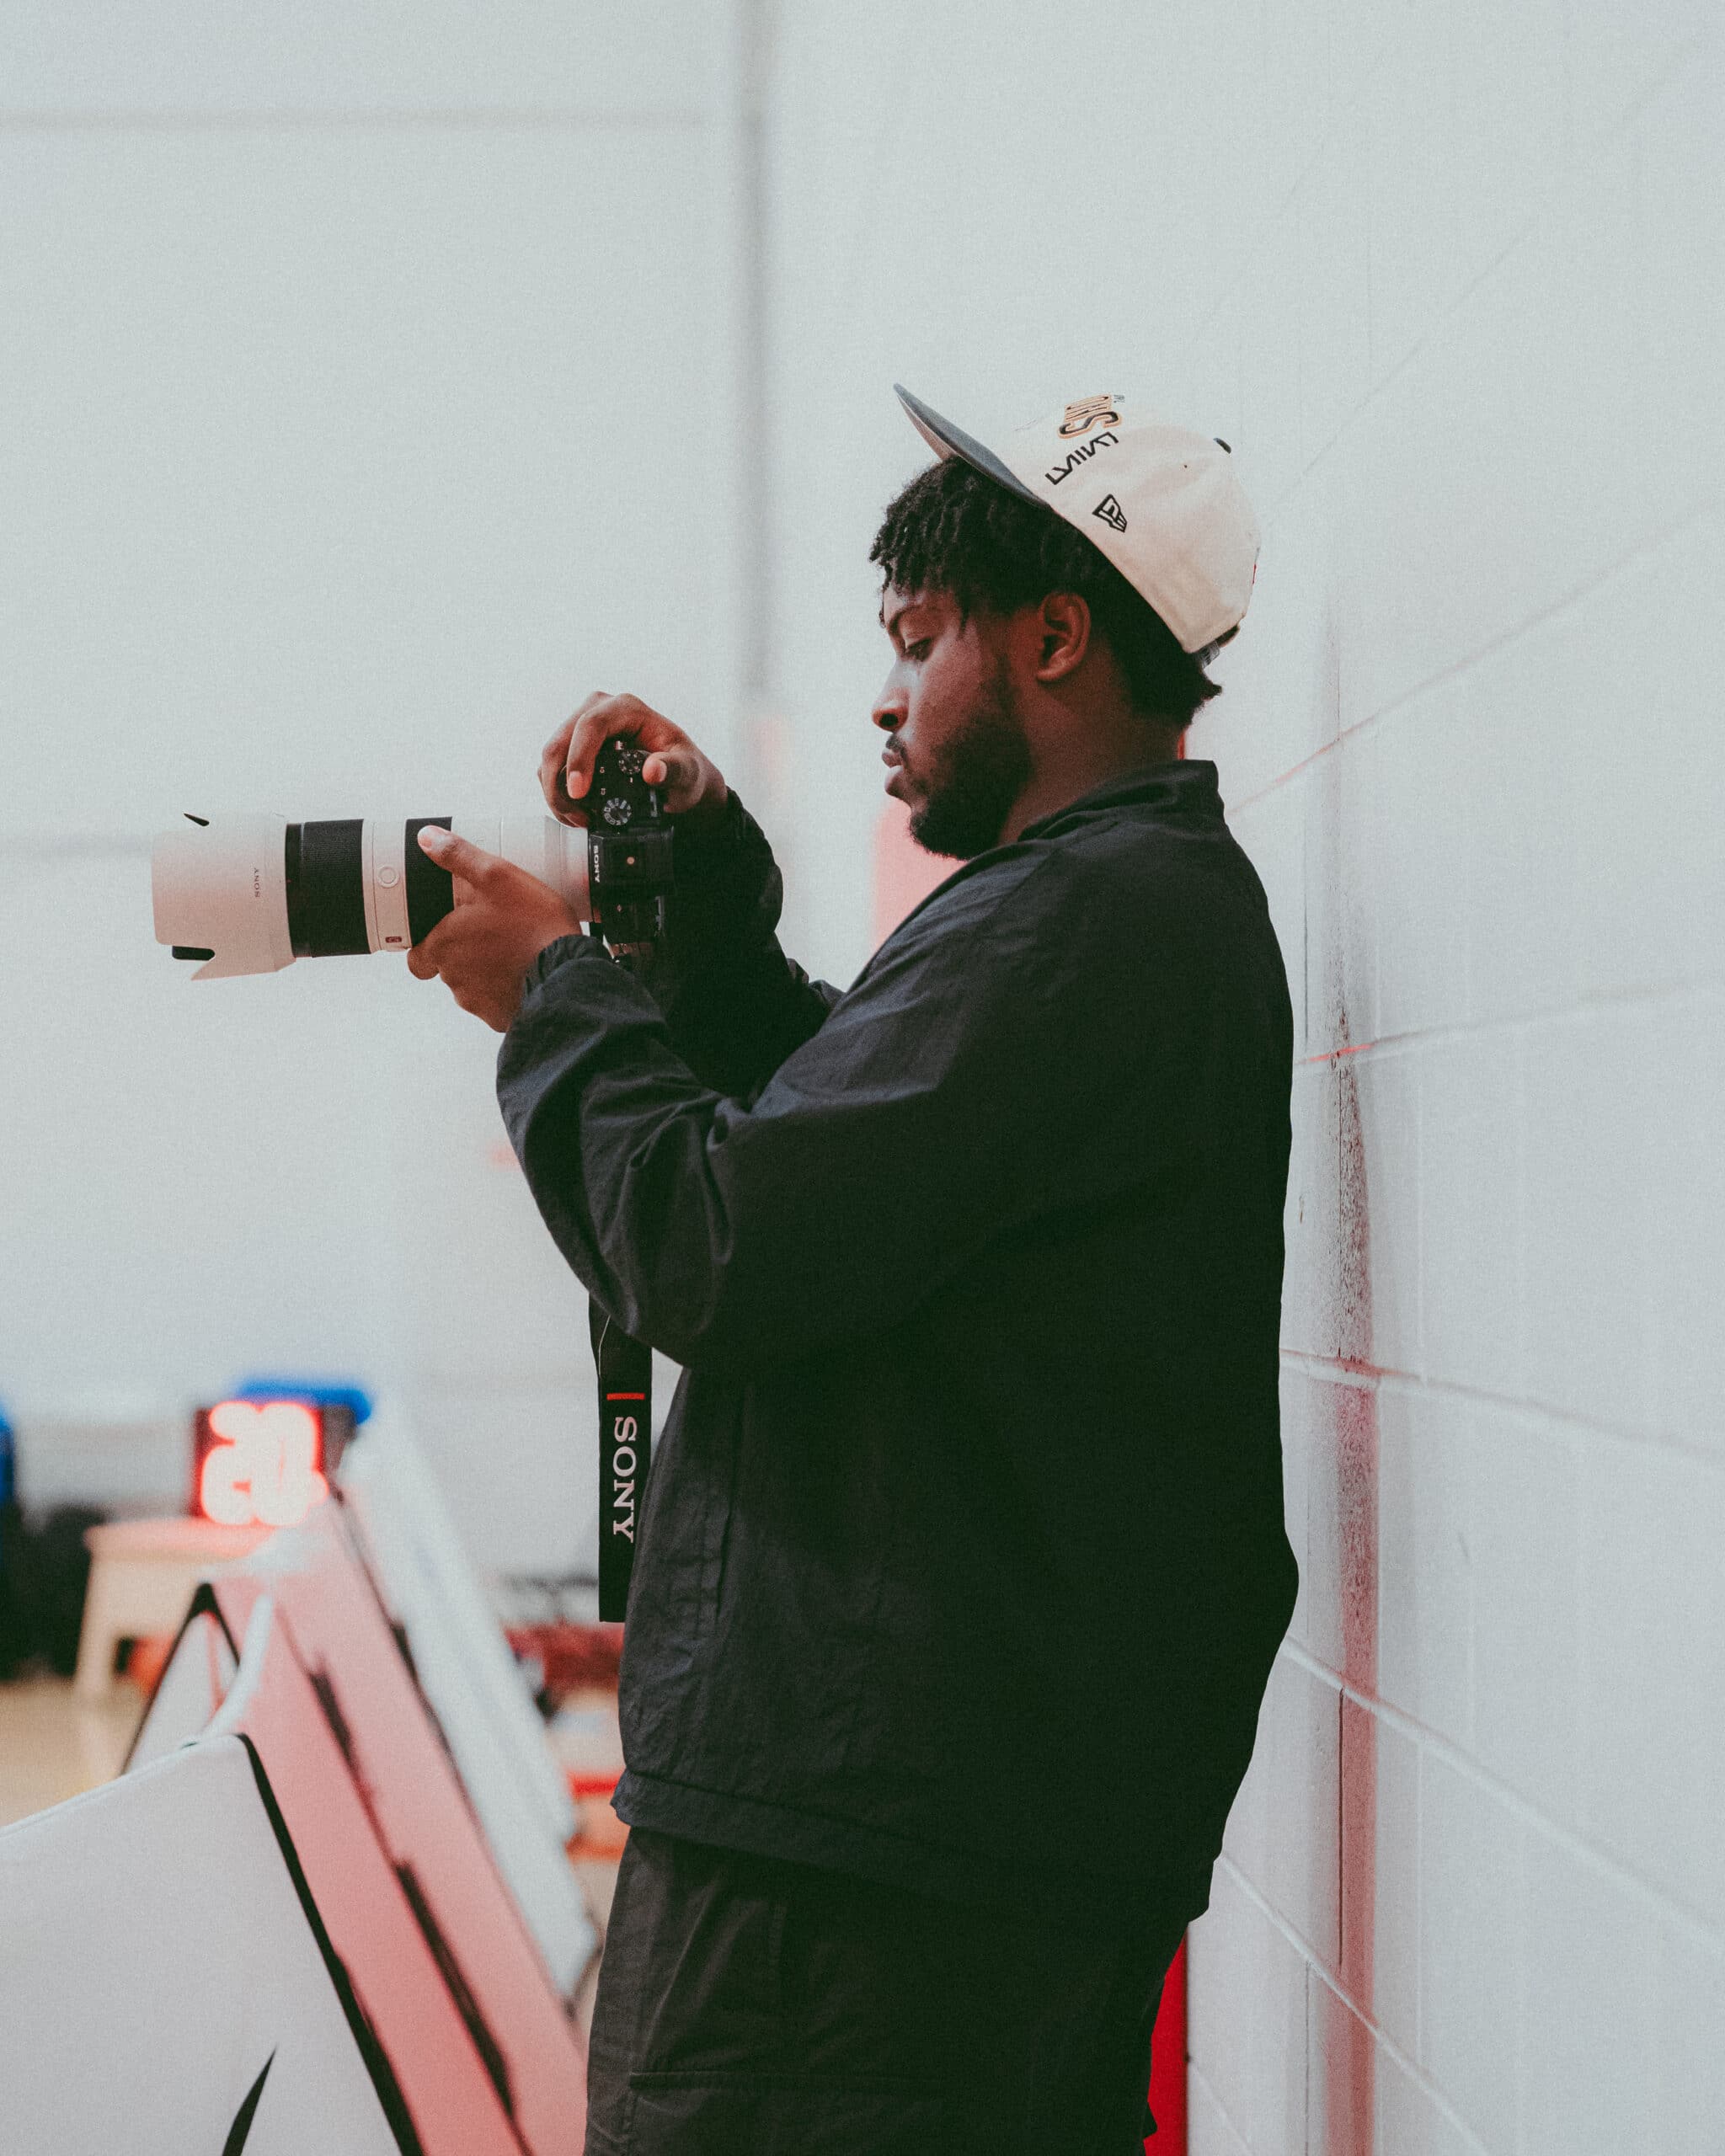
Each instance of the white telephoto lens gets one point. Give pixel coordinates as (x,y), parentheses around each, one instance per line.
(219,887)
(248,894)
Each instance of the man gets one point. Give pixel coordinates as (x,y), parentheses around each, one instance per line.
(962,1563)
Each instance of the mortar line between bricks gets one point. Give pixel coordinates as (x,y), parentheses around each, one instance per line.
(1195,2072)
(1334,131)
(1696,1928)
(1589,588)
(1415,2073)
(1553,196)
(1696,989)
(1369,1376)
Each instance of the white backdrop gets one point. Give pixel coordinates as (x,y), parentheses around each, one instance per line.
(364,382)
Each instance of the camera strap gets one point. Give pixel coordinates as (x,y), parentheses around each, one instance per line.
(625,1452)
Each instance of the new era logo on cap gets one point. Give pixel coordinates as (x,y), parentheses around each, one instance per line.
(1175,520)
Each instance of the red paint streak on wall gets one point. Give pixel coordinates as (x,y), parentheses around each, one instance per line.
(1348,2057)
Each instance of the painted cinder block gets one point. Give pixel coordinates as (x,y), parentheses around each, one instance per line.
(1513,882)
(1442,555)
(1246,2006)
(1418,260)
(1524,1539)
(1587,2019)
(1416,828)
(1424,1563)
(1473,1905)
(1335,317)
(1689,2016)
(1611,62)
(1210,2132)
(1637,860)
(1653,1655)
(1412,2121)
(1393,1990)
(1282,1833)
(1585,1276)
(1471,1147)
(1269,370)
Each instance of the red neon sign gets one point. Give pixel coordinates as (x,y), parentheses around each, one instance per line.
(259,1463)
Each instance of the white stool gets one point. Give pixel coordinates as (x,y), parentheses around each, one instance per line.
(142,1575)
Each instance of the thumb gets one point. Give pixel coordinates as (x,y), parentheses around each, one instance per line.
(460,856)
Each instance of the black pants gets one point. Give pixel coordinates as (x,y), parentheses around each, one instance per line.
(750,2007)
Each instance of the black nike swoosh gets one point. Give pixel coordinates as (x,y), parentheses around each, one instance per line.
(240,2132)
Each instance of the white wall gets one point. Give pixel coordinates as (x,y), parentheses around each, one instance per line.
(1449,280)
(364,402)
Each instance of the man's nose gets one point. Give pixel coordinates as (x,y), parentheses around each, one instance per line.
(891,705)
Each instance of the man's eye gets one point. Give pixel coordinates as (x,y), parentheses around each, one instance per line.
(917,650)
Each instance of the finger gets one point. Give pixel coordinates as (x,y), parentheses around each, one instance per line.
(657,770)
(553,763)
(678,770)
(464,860)
(603,717)
(420,964)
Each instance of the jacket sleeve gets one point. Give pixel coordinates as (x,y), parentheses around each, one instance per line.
(735,1005)
(968,1083)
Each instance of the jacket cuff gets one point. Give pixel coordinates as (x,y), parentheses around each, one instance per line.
(565,950)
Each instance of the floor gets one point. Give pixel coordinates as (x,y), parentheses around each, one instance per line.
(53,1746)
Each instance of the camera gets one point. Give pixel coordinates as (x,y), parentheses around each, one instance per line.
(249,894)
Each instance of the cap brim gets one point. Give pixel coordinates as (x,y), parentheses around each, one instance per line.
(946,439)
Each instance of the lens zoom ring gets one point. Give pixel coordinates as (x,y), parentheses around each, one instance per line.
(326,896)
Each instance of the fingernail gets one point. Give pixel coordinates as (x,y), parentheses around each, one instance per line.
(432,838)
(578,781)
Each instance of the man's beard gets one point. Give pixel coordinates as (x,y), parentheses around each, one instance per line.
(983,770)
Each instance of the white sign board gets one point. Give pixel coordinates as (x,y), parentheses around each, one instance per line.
(162,1987)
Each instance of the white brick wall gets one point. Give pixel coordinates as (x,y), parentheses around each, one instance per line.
(1450,279)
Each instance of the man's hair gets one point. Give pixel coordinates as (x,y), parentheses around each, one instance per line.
(953,529)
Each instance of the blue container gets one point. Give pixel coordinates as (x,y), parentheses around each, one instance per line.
(316,1392)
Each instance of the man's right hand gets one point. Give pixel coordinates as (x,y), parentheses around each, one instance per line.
(691,781)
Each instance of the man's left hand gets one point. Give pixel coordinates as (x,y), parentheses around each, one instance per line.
(503,919)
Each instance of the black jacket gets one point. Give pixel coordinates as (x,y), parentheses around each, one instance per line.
(962,1559)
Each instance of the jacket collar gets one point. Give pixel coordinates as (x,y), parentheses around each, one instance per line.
(1186,786)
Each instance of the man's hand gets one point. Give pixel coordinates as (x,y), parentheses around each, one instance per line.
(691,781)
(503,919)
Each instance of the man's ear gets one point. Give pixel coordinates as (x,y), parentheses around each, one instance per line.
(1063,631)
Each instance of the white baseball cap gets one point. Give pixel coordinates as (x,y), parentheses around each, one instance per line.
(1160,502)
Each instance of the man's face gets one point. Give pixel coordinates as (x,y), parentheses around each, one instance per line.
(956,740)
